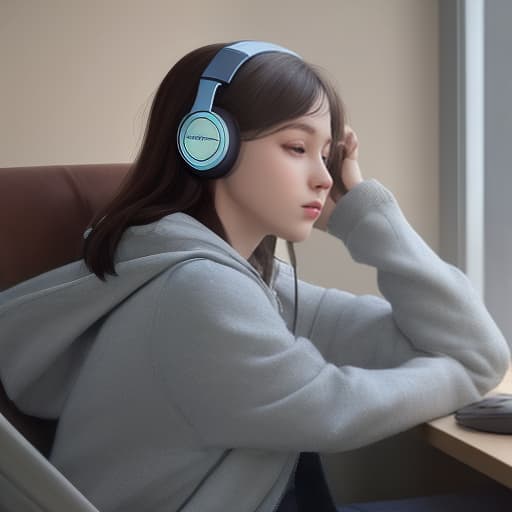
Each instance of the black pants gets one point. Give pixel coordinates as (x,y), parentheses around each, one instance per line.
(311,493)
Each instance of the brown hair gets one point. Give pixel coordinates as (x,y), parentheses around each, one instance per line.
(268,90)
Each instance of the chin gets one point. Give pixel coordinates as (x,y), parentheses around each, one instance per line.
(296,236)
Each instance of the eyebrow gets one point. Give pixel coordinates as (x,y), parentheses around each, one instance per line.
(300,126)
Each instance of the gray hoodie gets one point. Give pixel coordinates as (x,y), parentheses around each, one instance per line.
(178,384)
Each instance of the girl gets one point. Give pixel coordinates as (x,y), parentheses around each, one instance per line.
(186,365)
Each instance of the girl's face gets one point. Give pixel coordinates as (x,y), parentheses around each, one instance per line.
(278,184)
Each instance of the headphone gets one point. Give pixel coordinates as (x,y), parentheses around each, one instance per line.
(208,137)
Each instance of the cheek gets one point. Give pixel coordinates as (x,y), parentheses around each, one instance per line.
(255,172)
(264,175)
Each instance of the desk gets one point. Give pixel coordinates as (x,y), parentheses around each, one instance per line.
(490,454)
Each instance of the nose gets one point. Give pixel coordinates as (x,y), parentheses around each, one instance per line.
(320,177)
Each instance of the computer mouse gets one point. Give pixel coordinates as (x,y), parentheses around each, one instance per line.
(492,414)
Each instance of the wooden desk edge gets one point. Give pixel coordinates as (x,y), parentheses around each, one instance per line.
(467,452)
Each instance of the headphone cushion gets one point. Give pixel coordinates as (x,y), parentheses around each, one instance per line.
(226,165)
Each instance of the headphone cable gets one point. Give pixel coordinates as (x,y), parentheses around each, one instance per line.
(293,261)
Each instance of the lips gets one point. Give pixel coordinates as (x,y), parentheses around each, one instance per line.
(315,205)
(312,210)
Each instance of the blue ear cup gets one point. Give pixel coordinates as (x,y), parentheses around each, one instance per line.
(209,142)
(208,138)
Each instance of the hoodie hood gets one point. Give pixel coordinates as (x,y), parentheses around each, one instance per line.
(48,323)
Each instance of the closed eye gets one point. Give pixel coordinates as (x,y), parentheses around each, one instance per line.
(301,150)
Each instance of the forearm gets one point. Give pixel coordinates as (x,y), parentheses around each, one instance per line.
(433,305)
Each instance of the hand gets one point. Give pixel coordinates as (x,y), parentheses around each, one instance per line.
(349,176)
(350,173)
(350,170)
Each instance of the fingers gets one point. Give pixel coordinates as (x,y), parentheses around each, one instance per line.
(349,175)
(350,144)
(350,171)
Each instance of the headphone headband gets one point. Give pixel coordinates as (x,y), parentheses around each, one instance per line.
(228,60)
(203,136)
(225,64)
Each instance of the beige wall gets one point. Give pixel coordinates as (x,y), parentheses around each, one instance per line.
(76,78)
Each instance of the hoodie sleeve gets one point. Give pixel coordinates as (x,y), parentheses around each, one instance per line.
(428,305)
(227,361)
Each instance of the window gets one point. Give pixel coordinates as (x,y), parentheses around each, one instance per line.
(475,147)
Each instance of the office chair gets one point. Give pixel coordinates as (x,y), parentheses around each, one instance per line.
(43,214)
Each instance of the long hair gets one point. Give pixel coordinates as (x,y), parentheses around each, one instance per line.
(268,90)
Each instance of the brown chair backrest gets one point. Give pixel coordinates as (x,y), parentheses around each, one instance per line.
(43,213)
